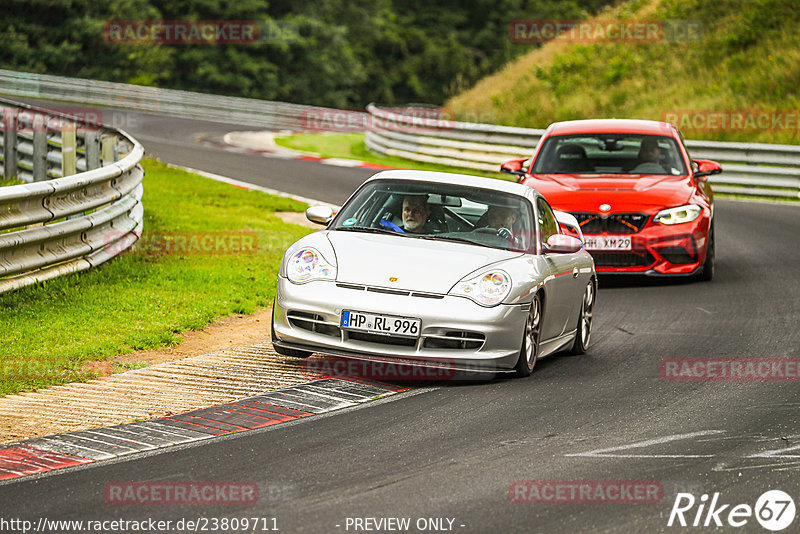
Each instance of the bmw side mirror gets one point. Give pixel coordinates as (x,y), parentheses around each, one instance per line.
(515,167)
(320,214)
(706,168)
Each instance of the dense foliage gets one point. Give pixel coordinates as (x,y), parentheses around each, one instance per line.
(746,60)
(323,52)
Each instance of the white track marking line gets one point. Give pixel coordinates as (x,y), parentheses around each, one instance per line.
(246,185)
(603,453)
(777,453)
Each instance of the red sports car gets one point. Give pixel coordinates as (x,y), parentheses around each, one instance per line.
(644,206)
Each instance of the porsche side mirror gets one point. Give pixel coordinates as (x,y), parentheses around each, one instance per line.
(562,244)
(706,168)
(568,222)
(320,214)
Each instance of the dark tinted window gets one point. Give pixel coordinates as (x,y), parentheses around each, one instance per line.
(547,220)
(609,153)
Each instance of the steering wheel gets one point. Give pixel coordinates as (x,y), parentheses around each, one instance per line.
(501,232)
(391,226)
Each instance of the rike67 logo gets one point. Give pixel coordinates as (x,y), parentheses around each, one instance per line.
(774,510)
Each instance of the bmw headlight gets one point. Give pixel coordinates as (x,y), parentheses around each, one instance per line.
(487,289)
(681,214)
(307,264)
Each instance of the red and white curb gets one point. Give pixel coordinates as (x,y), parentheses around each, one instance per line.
(40,455)
(277,152)
(252,187)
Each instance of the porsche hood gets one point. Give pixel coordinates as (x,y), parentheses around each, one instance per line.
(408,263)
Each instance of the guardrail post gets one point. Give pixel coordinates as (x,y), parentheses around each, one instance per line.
(10,143)
(109,149)
(68,153)
(39,148)
(92,145)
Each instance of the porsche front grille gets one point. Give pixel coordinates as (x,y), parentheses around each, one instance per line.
(313,323)
(454,339)
(390,291)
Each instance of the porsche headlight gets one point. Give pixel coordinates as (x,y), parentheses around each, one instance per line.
(681,214)
(487,289)
(307,264)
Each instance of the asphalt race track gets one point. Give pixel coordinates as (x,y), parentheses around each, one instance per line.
(452,450)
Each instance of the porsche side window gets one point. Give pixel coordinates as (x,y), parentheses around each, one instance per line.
(547,220)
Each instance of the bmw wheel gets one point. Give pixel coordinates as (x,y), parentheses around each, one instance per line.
(529,351)
(708,267)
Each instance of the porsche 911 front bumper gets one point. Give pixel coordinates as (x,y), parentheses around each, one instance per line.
(455,331)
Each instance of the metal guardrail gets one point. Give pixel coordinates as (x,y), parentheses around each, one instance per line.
(80,205)
(750,169)
(184,104)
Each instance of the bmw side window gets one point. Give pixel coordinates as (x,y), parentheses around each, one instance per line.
(547,220)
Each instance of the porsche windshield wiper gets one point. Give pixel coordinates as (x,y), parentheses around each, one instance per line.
(435,237)
(367,229)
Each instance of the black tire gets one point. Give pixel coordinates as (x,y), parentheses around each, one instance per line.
(529,351)
(708,266)
(292,353)
(583,331)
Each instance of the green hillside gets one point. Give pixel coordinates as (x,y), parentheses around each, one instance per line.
(747,59)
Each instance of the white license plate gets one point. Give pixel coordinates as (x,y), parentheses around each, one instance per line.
(607,242)
(381,324)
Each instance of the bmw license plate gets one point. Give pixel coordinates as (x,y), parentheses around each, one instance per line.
(381,324)
(607,242)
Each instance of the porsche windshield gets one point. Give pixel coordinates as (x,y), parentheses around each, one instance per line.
(610,153)
(439,211)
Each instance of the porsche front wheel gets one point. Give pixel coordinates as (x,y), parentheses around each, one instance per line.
(529,351)
(583,331)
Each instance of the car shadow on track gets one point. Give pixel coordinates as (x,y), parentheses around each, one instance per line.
(617,281)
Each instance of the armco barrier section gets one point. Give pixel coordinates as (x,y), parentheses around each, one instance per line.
(170,102)
(750,169)
(79,206)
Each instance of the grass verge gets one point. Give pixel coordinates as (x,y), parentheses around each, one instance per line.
(175,282)
(352,146)
(741,59)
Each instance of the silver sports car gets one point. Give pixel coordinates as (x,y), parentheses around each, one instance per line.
(437,269)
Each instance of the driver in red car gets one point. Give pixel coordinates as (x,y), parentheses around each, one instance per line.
(649,157)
